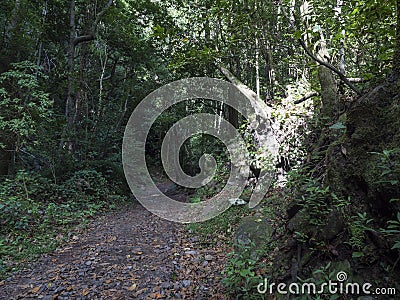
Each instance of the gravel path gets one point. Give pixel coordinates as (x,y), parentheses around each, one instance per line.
(130,254)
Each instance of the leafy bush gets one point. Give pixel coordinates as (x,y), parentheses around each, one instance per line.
(358,226)
(241,279)
(23,104)
(33,211)
(21,201)
(393,229)
(317,200)
(388,166)
(85,186)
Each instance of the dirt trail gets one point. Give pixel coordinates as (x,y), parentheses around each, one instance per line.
(130,254)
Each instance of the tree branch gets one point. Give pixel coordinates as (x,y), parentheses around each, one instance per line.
(306,97)
(325,64)
(100,15)
(83,38)
(358,80)
(92,34)
(330,67)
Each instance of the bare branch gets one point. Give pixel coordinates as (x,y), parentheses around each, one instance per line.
(100,15)
(306,97)
(84,38)
(358,80)
(330,67)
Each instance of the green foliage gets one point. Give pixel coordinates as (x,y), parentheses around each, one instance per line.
(320,276)
(221,226)
(85,186)
(241,279)
(22,201)
(23,104)
(393,229)
(33,211)
(388,164)
(358,226)
(140,45)
(317,201)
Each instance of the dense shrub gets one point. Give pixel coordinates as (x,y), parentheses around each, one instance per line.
(33,211)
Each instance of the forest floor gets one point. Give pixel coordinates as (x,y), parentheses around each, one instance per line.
(126,254)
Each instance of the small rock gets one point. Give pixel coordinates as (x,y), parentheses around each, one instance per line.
(186,283)
(165,285)
(209,257)
(59,289)
(88,263)
(177,286)
(192,252)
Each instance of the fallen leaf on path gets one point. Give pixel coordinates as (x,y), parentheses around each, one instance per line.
(111,239)
(132,287)
(141,291)
(156,296)
(35,290)
(85,292)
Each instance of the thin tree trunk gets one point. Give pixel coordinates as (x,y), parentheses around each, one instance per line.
(338,14)
(69,107)
(15,16)
(72,105)
(396,58)
(8,46)
(5,158)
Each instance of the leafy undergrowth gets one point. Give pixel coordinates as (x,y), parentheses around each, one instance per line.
(316,235)
(36,215)
(243,270)
(249,263)
(220,228)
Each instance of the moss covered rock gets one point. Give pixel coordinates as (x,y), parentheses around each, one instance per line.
(254,232)
(355,166)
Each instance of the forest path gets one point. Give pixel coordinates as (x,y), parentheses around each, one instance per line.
(127,254)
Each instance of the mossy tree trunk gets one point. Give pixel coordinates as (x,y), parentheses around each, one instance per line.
(328,95)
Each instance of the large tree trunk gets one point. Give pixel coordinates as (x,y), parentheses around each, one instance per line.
(73,103)
(329,97)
